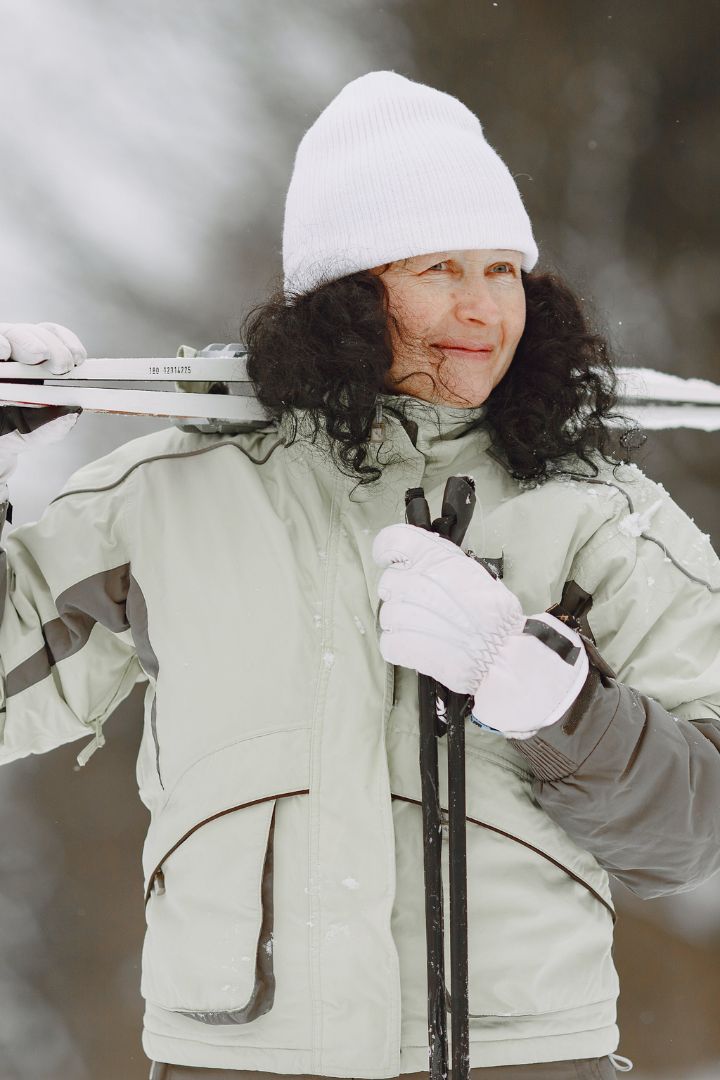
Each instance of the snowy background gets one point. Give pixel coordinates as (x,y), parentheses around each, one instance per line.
(146,149)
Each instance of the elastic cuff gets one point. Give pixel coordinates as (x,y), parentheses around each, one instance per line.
(558,751)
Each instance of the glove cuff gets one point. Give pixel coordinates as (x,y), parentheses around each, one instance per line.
(537,676)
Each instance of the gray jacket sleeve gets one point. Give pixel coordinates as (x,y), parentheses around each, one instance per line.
(67,651)
(633,784)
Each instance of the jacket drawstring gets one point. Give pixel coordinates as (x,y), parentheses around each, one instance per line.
(96,743)
(377,431)
(616,1059)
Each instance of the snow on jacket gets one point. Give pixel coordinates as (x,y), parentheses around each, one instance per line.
(279,761)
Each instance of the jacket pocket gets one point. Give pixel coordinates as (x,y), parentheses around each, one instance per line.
(539,933)
(208,951)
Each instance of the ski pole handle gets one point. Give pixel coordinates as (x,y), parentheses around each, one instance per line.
(457,509)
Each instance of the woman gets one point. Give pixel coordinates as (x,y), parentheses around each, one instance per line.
(265,586)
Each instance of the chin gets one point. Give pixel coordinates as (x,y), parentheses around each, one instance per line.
(471,399)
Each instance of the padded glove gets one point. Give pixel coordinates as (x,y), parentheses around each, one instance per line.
(25,427)
(443,614)
(32,343)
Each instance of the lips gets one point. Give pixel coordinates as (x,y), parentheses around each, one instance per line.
(462,346)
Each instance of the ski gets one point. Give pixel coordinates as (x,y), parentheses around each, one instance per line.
(217,368)
(659,401)
(214,385)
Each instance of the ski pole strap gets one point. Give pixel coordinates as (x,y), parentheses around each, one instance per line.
(554,640)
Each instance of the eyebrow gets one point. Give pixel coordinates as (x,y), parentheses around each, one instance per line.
(432,254)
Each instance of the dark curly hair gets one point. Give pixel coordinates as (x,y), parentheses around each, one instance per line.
(329,352)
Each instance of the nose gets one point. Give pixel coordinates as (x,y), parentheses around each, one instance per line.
(474,301)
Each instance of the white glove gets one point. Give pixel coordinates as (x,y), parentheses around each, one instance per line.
(31,343)
(445,615)
(25,427)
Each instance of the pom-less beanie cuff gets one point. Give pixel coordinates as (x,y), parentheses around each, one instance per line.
(392,169)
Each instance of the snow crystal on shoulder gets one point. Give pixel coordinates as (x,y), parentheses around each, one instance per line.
(635,524)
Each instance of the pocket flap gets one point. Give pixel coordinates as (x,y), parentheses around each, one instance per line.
(208,947)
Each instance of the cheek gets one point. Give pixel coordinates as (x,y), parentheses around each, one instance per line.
(515,320)
(414,313)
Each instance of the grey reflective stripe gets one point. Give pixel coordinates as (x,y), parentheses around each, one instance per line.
(153,728)
(524,843)
(168,457)
(4,508)
(652,539)
(3,580)
(99,598)
(553,639)
(111,598)
(31,671)
(263,992)
(137,614)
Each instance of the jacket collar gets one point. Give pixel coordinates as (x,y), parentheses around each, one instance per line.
(428,425)
(433,436)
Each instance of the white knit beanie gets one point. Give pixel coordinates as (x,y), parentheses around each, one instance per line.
(392,169)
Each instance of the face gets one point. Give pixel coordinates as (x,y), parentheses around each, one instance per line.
(461,315)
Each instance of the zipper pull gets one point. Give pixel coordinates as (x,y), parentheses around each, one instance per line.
(377,431)
(95,744)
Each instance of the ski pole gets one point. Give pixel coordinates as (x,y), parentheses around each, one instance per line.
(444,711)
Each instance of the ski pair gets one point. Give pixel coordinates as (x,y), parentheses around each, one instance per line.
(214,384)
(443,714)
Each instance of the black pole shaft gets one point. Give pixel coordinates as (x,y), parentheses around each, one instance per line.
(457,509)
(459,1015)
(432,860)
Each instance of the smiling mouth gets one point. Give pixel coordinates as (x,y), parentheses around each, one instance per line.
(482,351)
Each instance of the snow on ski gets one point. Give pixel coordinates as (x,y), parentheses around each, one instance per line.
(658,401)
(654,399)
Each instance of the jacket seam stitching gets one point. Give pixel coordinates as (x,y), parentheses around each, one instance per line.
(221,750)
(213,817)
(316,912)
(592,552)
(166,457)
(531,847)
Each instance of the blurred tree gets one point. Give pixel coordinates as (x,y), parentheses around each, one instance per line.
(607,116)
(150,149)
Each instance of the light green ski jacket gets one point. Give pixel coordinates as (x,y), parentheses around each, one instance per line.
(279,761)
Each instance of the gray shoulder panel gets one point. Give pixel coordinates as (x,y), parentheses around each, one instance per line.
(99,598)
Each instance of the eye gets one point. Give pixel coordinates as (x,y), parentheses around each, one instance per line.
(507,267)
(439,265)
